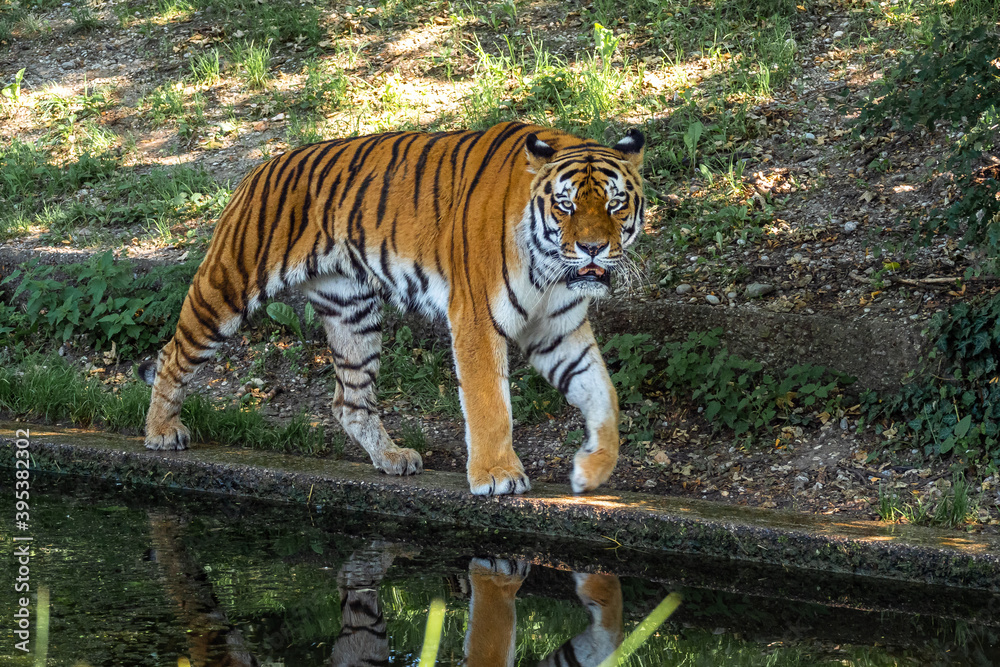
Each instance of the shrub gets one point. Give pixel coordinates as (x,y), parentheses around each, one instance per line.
(103,301)
(732,391)
(953,410)
(738,393)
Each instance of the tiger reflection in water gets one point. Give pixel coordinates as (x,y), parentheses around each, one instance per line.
(363,641)
(491,638)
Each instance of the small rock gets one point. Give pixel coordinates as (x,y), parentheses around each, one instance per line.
(650,483)
(809,136)
(712,299)
(839,33)
(843,424)
(850,226)
(683,289)
(69,64)
(756,290)
(730,295)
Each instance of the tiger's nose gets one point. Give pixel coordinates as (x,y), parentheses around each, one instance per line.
(592,249)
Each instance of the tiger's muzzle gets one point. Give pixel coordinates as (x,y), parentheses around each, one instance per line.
(590,278)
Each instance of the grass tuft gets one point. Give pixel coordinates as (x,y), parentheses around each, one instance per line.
(253,62)
(49,389)
(954,509)
(206,67)
(412,435)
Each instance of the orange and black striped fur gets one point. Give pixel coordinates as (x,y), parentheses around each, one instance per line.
(507,233)
(491,639)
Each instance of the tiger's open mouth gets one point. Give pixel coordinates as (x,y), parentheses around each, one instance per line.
(587,276)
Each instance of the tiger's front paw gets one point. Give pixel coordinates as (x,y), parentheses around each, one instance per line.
(498,480)
(400,461)
(171,437)
(592,468)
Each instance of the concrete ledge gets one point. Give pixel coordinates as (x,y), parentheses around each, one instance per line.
(638,521)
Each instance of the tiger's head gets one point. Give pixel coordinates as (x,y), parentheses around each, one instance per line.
(586,207)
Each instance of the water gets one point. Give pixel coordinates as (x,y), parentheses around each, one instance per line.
(147,577)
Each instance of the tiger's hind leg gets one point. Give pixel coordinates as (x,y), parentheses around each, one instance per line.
(351,311)
(205,321)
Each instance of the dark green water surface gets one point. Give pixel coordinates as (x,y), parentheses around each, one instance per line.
(138,576)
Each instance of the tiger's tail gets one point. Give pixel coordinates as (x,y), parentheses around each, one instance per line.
(212,311)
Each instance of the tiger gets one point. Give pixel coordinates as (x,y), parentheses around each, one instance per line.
(508,234)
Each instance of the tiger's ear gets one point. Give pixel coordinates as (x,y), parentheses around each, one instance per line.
(631,146)
(538,152)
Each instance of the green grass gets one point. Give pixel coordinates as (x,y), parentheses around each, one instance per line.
(253,60)
(525,80)
(301,131)
(48,389)
(955,507)
(36,186)
(83,20)
(165,103)
(206,68)
(419,376)
(14,224)
(412,435)
(532,398)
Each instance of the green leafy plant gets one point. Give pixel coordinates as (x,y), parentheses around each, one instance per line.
(691,138)
(103,301)
(324,89)
(532,398)
(738,393)
(627,356)
(165,102)
(286,316)
(12,91)
(418,374)
(953,79)
(952,408)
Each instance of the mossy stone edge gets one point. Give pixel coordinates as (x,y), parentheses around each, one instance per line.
(640,521)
